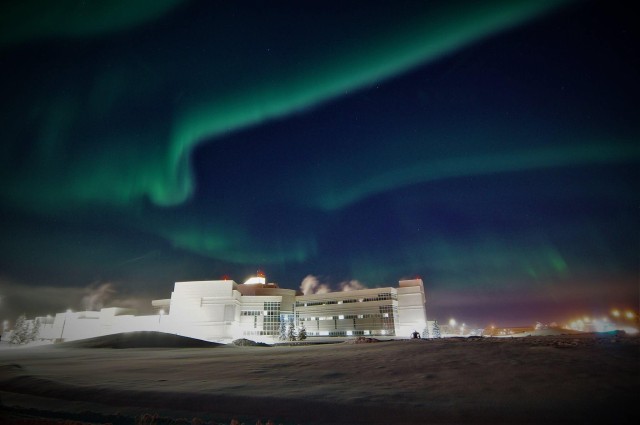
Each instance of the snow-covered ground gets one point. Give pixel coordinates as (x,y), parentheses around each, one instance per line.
(545,379)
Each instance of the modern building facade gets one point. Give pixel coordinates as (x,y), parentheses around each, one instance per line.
(223,310)
(378,311)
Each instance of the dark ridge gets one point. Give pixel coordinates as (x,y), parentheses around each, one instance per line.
(140,340)
(243,342)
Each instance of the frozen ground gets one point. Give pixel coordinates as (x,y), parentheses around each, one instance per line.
(539,379)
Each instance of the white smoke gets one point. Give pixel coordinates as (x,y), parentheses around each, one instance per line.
(311,285)
(351,285)
(96,296)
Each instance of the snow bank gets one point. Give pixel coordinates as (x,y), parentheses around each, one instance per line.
(139,340)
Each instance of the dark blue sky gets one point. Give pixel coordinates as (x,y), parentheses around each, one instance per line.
(489,148)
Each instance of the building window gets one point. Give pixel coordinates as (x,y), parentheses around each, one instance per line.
(388,313)
(271,321)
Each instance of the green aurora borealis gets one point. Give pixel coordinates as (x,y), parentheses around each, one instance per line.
(489,147)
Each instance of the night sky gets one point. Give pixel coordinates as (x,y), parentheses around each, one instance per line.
(489,147)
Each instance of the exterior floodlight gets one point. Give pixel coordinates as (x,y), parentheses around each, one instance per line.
(257,280)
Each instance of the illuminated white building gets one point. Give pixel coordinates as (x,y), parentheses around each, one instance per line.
(223,310)
(378,311)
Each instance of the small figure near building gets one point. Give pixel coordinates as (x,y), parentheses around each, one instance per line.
(415,335)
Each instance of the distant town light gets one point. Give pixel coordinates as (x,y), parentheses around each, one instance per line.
(629,314)
(615,312)
(452,322)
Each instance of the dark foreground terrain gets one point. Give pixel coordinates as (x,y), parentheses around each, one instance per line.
(548,379)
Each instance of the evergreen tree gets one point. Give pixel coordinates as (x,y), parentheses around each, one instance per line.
(20,331)
(425,331)
(436,330)
(34,333)
(302,332)
(291,332)
(283,330)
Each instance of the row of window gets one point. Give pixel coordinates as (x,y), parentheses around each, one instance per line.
(390,332)
(272,305)
(260,313)
(349,316)
(271,308)
(378,297)
(261,333)
(271,316)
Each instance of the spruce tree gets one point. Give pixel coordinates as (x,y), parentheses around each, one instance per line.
(283,330)
(291,332)
(302,332)
(436,330)
(425,331)
(20,331)
(34,333)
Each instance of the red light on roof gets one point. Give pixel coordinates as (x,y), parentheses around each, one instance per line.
(225,277)
(260,273)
